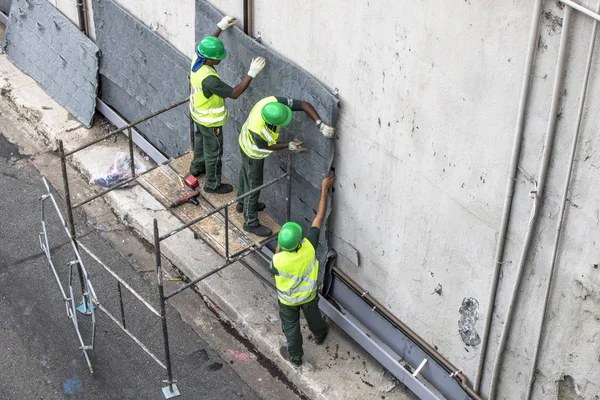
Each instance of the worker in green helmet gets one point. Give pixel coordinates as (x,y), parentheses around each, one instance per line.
(258,139)
(207,106)
(296,270)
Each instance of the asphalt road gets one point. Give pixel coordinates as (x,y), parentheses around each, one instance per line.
(39,354)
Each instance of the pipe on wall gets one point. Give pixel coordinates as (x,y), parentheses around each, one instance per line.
(559,224)
(538,198)
(248,17)
(82,15)
(510,185)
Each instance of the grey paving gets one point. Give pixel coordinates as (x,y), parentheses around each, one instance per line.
(39,356)
(142,73)
(43,43)
(280,78)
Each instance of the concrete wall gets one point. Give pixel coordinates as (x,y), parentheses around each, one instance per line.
(429,99)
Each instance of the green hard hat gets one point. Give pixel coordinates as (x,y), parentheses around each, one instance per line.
(276,114)
(289,236)
(212,47)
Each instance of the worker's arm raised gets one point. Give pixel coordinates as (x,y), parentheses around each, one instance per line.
(309,110)
(256,66)
(225,23)
(326,184)
(326,130)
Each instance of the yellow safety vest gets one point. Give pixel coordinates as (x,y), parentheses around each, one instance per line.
(256,124)
(210,111)
(297,274)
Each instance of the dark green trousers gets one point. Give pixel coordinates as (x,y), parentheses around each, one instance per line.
(208,154)
(250,177)
(290,324)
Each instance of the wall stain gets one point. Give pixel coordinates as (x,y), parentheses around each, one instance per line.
(553,23)
(468,318)
(567,389)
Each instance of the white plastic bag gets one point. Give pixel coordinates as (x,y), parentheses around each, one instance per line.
(117,172)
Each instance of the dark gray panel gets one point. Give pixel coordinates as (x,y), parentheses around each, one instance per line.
(5,6)
(43,43)
(279,78)
(141,73)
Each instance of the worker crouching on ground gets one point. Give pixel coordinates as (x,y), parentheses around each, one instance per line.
(296,270)
(207,106)
(258,139)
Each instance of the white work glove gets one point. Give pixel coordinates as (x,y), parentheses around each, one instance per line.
(326,130)
(226,23)
(256,66)
(297,146)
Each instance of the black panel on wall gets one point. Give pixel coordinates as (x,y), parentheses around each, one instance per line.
(43,43)
(279,78)
(141,73)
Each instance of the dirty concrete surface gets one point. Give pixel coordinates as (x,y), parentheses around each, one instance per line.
(39,342)
(40,350)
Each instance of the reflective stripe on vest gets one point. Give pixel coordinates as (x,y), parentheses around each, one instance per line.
(256,124)
(296,284)
(210,111)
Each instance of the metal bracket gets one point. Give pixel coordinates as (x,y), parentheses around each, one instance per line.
(336,92)
(86,310)
(138,139)
(419,368)
(170,392)
(258,37)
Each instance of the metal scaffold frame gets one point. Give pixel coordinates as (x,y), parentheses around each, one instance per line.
(89,299)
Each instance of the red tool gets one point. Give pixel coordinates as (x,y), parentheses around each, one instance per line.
(188,198)
(191,181)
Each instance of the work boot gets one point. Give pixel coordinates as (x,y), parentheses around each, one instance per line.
(221,189)
(259,230)
(286,355)
(197,174)
(321,340)
(240,207)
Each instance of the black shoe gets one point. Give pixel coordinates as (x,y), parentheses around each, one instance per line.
(221,189)
(259,230)
(286,355)
(197,174)
(240,207)
(320,341)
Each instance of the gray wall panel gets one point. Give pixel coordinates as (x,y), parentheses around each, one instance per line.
(141,73)
(279,78)
(43,43)
(5,6)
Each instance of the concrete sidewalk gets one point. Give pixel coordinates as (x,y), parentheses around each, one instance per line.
(338,370)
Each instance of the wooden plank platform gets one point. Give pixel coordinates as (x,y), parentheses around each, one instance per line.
(166,186)
(182,165)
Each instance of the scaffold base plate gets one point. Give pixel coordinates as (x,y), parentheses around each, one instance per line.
(168,393)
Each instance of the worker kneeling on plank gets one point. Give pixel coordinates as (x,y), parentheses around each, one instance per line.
(207,106)
(258,139)
(296,270)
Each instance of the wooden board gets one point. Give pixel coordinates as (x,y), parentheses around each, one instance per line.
(166,186)
(182,165)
